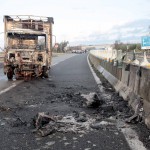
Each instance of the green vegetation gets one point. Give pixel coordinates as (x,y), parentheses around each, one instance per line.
(61,47)
(127,46)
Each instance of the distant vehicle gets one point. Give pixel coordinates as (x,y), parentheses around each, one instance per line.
(85,51)
(73,51)
(28,46)
(78,51)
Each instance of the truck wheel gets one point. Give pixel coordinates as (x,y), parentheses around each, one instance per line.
(16,74)
(45,73)
(10,74)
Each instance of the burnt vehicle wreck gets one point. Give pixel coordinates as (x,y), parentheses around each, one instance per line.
(28,46)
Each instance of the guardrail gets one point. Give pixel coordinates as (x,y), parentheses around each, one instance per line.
(139,58)
(132,81)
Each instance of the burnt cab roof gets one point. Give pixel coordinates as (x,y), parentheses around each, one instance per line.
(29,17)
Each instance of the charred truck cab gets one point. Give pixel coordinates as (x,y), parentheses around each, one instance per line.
(28,46)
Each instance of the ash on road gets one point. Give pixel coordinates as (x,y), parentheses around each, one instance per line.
(61,95)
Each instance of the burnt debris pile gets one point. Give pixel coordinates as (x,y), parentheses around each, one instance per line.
(46,124)
(92,100)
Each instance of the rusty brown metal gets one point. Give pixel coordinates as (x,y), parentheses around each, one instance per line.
(28,45)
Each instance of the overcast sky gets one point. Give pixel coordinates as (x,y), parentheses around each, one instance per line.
(86,21)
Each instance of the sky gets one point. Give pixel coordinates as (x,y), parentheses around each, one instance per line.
(86,22)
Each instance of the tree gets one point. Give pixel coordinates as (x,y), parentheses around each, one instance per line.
(126,46)
(117,45)
(120,46)
(132,46)
(138,46)
(61,46)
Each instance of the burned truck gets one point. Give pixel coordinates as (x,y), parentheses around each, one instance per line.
(28,46)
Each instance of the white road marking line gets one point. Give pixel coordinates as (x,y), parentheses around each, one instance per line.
(129,134)
(54,64)
(133,139)
(7,89)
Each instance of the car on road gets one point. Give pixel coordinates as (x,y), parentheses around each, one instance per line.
(78,51)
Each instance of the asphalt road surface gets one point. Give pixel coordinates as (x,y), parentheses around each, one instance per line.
(61,95)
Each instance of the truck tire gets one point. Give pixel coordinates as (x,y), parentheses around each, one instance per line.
(10,74)
(45,73)
(17,76)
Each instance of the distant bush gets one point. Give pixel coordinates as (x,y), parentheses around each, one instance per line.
(127,46)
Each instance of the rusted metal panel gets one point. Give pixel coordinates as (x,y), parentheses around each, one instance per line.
(28,45)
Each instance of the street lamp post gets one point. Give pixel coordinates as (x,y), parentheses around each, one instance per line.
(0,47)
(55,38)
(55,45)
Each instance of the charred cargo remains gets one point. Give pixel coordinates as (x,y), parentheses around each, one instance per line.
(28,46)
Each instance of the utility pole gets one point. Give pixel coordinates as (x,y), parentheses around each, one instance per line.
(55,38)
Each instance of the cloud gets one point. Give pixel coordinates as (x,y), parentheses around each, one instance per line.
(86,21)
(128,32)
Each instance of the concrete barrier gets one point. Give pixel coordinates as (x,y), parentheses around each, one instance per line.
(131,81)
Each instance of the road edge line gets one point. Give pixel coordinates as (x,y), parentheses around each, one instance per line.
(98,81)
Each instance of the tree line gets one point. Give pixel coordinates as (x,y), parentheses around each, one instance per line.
(60,47)
(127,46)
